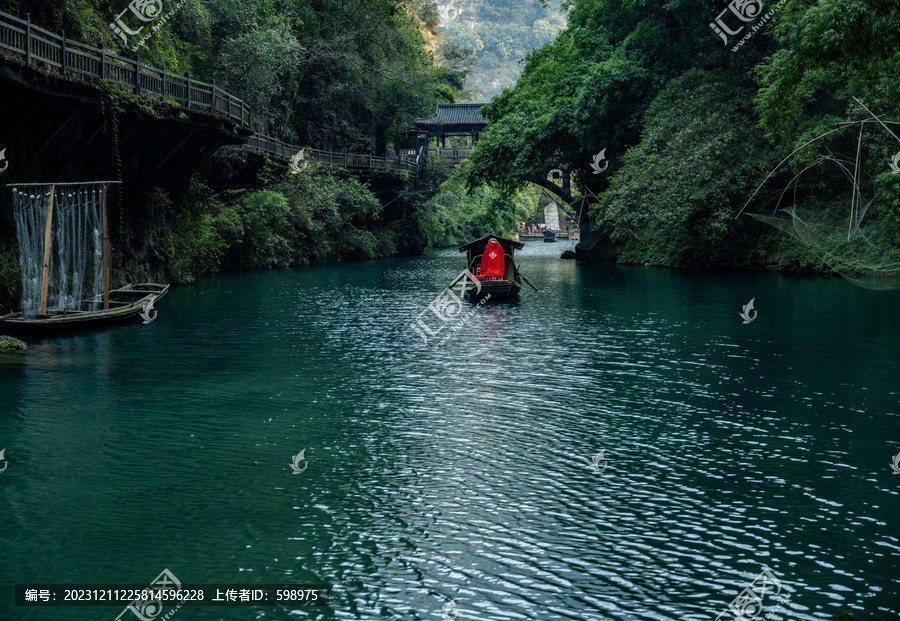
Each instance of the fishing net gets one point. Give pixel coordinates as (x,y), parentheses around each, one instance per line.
(553,212)
(75,261)
(869,258)
(830,206)
(548,212)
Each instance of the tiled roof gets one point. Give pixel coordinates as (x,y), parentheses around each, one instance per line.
(455,114)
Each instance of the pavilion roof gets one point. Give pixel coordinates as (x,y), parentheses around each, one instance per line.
(454,117)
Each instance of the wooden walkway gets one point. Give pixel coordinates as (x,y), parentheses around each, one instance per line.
(46,50)
(408,160)
(67,57)
(283,151)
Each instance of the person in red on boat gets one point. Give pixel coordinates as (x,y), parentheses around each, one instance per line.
(493,263)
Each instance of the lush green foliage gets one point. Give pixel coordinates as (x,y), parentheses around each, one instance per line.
(651,83)
(834,50)
(312,217)
(454,216)
(671,202)
(10,277)
(318,72)
(589,89)
(186,241)
(839,62)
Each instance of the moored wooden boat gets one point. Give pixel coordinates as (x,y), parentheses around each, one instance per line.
(501,290)
(125,304)
(549,236)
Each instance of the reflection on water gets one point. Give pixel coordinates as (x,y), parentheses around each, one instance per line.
(464,474)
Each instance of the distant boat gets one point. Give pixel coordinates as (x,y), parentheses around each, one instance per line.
(549,236)
(125,304)
(500,290)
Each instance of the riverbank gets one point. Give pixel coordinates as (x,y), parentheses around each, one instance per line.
(751,246)
(317,216)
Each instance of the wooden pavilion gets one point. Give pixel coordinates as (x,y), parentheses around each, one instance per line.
(450,120)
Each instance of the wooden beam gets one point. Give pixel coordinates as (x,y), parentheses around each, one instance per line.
(105,247)
(46,272)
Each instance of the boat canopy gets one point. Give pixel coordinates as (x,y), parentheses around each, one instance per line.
(476,247)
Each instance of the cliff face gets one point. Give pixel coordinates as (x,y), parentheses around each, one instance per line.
(500,33)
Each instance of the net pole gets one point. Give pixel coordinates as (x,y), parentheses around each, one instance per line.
(855,178)
(46,272)
(875,117)
(105,247)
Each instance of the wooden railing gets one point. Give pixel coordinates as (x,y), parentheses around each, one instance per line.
(66,56)
(456,155)
(282,150)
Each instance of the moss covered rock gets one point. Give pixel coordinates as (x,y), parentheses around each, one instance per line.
(9,344)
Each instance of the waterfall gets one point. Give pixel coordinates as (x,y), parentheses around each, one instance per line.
(76,246)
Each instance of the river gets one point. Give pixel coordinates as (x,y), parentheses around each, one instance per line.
(468,470)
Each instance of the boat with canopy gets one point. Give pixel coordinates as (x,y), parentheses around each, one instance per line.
(491,260)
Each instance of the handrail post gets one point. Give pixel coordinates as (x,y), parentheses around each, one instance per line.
(213,111)
(137,77)
(63,55)
(188,76)
(165,89)
(103,60)
(28,39)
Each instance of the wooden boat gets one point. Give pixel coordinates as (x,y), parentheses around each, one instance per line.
(500,290)
(549,236)
(125,304)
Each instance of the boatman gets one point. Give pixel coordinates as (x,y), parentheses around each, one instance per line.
(493,263)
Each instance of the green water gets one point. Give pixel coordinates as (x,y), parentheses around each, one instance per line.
(464,471)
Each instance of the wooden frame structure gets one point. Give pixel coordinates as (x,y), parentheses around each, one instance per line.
(48,228)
